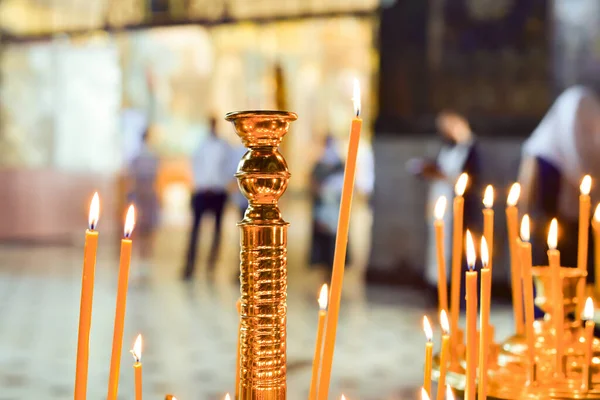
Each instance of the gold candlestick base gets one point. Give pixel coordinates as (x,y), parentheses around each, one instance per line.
(508,363)
(263,177)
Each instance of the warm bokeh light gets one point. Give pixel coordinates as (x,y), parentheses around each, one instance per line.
(440,208)
(227,397)
(488,197)
(485,254)
(553,234)
(513,195)
(449,394)
(461,184)
(424,395)
(597,213)
(323,297)
(356,97)
(586,185)
(94,212)
(444,322)
(471,255)
(427,329)
(129,221)
(588,310)
(525,230)
(137,348)
(343,397)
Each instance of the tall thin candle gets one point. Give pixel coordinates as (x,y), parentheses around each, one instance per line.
(428,355)
(323,296)
(137,366)
(471,292)
(484,320)
(488,219)
(87,294)
(588,331)
(438,224)
(527,277)
(582,242)
(512,216)
(125,260)
(557,296)
(596,227)
(457,248)
(339,257)
(444,354)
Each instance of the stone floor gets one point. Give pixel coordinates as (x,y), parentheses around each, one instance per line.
(190,328)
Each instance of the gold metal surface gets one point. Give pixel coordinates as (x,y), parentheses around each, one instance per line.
(507,367)
(263,177)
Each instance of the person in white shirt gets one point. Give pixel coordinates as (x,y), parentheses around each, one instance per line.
(212,175)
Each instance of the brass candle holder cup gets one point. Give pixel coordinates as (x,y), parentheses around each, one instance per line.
(508,364)
(263,177)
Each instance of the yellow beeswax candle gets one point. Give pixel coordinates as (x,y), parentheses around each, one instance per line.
(596,227)
(438,224)
(323,297)
(428,355)
(471,299)
(339,257)
(87,294)
(457,247)
(444,354)
(527,278)
(512,216)
(137,366)
(484,320)
(582,242)
(123,282)
(588,332)
(488,220)
(557,296)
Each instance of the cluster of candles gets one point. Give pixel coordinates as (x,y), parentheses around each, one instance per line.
(477,347)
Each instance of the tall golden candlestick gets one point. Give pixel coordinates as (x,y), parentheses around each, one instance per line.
(582,243)
(339,257)
(484,320)
(488,220)
(471,299)
(527,278)
(444,354)
(512,216)
(457,248)
(557,294)
(438,224)
(137,366)
(262,178)
(238,307)
(314,382)
(87,294)
(588,333)
(428,355)
(122,285)
(596,227)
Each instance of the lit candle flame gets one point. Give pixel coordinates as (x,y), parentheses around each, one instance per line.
(488,197)
(485,254)
(323,297)
(343,397)
(461,184)
(129,221)
(586,185)
(444,322)
(597,213)
(424,395)
(137,349)
(471,255)
(525,234)
(513,195)
(94,212)
(227,397)
(440,208)
(553,234)
(427,329)
(588,310)
(356,97)
(449,394)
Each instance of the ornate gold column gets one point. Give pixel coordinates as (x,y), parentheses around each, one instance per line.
(263,177)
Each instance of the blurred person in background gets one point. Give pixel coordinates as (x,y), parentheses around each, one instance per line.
(141,178)
(458,154)
(212,175)
(561,150)
(327,180)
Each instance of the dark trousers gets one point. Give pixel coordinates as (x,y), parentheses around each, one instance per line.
(203,202)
